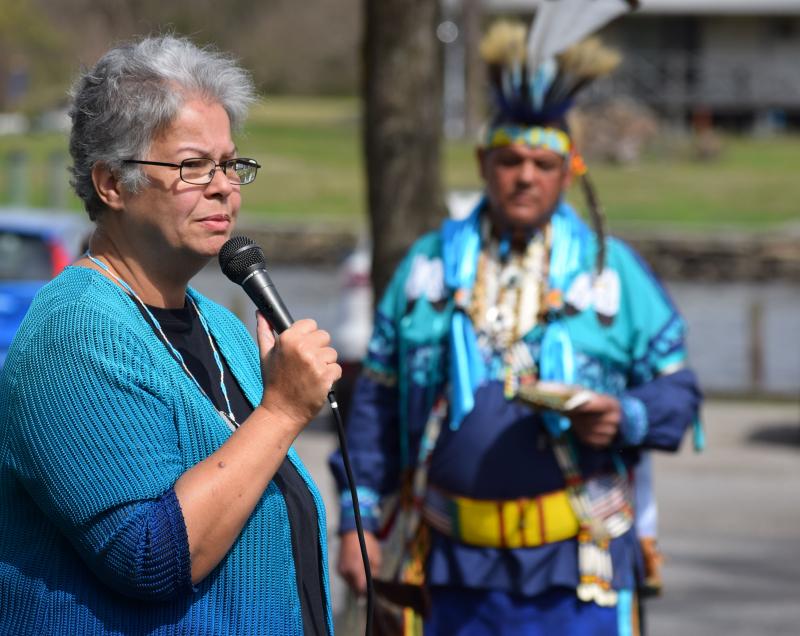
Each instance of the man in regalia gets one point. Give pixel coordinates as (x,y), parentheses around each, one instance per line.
(521,361)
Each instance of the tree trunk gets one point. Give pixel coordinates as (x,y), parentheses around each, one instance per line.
(402,86)
(475,69)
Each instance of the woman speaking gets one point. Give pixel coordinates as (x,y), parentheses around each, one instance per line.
(147,480)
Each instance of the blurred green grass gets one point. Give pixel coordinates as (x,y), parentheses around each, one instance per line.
(310,150)
(752,185)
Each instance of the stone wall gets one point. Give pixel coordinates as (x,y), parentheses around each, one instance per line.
(674,256)
(285,243)
(720,257)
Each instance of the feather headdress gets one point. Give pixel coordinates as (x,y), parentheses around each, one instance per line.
(534,83)
(535,75)
(544,94)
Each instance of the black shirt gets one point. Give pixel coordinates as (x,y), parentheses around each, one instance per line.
(184,330)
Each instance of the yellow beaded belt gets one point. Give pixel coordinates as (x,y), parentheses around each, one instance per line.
(511,523)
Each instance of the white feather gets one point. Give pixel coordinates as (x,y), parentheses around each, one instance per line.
(558,24)
(541,80)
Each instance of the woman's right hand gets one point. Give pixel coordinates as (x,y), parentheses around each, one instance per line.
(298,369)
(351,565)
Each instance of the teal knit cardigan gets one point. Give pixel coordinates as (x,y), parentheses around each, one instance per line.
(97,422)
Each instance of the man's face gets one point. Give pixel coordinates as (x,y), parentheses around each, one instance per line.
(523,184)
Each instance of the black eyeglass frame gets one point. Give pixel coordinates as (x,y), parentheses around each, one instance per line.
(224,165)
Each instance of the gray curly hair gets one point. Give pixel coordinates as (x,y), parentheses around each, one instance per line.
(136,90)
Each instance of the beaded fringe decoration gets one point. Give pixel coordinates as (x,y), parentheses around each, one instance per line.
(604,514)
(596,572)
(407,543)
(404,601)
(520,368)
(419,483)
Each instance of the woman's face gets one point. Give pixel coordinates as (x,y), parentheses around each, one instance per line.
(186,219)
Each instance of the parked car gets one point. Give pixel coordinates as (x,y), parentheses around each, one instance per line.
(34,247)
(354,323)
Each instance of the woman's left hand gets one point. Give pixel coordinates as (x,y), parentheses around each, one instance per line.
(596,421)
(298,369)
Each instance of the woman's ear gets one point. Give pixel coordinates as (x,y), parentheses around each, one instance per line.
(107,186)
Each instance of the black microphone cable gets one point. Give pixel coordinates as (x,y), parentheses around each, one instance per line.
(356,510)
(243,262)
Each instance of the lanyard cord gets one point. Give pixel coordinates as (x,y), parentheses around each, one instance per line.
(229,417)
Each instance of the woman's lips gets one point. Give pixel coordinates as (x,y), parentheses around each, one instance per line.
(217,222)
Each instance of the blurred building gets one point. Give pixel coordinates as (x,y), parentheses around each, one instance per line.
(732,62)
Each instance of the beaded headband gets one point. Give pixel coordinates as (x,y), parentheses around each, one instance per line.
(533,136)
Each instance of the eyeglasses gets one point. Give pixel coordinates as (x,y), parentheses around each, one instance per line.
(201,170)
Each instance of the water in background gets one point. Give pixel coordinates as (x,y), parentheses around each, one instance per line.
(737,328)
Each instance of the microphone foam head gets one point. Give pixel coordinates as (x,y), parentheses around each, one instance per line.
(238,256)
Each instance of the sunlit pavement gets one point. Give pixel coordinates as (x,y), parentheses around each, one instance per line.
(729,523)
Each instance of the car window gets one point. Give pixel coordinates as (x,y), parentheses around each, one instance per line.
(24,257)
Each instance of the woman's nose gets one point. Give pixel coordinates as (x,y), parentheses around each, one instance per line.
(219,183)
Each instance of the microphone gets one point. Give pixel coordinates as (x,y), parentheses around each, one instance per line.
(243,262)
